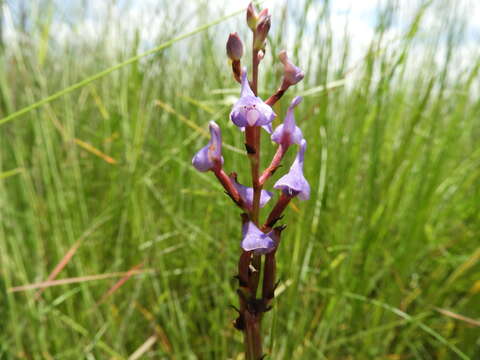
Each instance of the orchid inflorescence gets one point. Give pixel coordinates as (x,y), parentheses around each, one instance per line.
(250,113)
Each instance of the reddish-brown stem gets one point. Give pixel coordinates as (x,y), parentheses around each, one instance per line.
(237,70)
(269,271)
(255,164)
(255,158)
(252,142)
(229,187)
(253,150)
(254,278)
(252,135)
(243,268)
(253,336)
(257,187)
(255,63)
(276,212)
(278,94)
(243,271)
(274,165)
(251,318)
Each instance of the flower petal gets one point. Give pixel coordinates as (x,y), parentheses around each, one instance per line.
(201,160)
(294,182)
(255,240)
(209,156)
(246,193)
(288,133)
(250,110)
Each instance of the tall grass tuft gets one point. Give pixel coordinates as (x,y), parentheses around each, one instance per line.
(383,261)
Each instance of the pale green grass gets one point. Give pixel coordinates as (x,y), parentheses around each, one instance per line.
(390,234)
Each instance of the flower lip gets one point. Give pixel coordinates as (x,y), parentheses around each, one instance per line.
(250,110)
(288,133)
(294,183)
(292,74)
(210,156)
(255,240)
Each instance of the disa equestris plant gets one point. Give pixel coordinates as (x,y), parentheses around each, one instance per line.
(260,240)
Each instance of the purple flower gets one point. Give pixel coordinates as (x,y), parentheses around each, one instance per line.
(250,110)
(291,73)
(246,193)
(255,240)
(294,183)
(288,133)
(210,156)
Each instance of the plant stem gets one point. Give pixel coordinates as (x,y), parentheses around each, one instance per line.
(252,318)
(255,158)
(274,165)
(255,63)
(253,336)
(278,94)
(276,212)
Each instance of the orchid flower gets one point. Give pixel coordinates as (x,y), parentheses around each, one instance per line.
(288,133)
(250,110)
(246,193)
(255,240)
(294,183)
(210,156)
(291,73)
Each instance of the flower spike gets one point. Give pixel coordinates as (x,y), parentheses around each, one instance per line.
(210,157)
(250,110)
(255,240)
(292,74)
(259,240)
(294,183)
(288,133)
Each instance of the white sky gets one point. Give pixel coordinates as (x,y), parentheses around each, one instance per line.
(150,18)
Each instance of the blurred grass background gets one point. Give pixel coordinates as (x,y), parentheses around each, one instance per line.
(381,263)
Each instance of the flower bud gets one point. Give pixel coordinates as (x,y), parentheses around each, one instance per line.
(294,183)
(234,47)
(262,30)
(262,14)
(252,17)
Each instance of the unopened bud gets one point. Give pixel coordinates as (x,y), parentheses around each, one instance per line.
(252,17)
(262,30)
(234,47)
